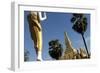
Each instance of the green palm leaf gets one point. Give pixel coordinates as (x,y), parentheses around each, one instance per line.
(80,25)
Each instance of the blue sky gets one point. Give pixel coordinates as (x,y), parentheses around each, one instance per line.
(53,28)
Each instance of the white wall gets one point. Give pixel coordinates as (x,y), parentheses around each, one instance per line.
(5,36)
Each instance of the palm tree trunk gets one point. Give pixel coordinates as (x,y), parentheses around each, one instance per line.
(85,44)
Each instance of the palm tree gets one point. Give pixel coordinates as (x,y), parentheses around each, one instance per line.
(55,49)
(80,25)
